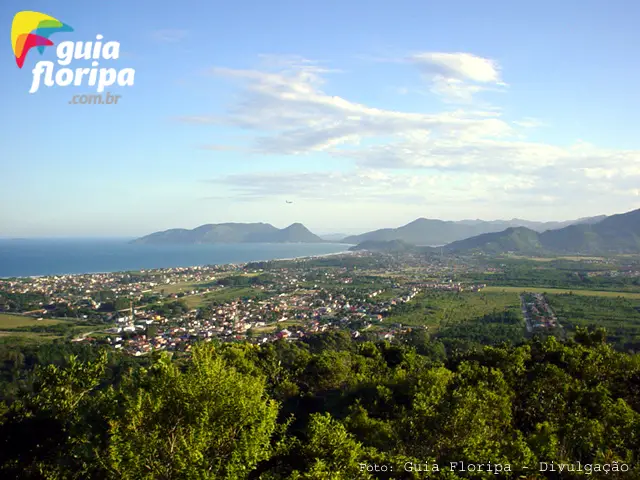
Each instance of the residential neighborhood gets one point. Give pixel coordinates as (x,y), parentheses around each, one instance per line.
(171,309)
(537,312)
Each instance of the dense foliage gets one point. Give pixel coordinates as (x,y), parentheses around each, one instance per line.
(319,409)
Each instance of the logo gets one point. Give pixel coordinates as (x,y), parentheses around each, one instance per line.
(33,29)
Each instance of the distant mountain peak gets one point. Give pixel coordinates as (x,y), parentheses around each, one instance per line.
(233,233)
(423,231)
(297,225)
(615,234)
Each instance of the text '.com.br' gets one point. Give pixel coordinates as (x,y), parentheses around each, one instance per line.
(95,99)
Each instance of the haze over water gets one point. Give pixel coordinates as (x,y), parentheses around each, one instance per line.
(32,257)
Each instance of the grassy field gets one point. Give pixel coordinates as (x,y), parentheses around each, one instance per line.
(389,294)
(26,337)
(188,286)
(182,287)
(10,325)
(177,288)
(10,321)
(442,309)
(559,291)
(226,294)
(232,293)
(194,301)
(30,329)
(272,327)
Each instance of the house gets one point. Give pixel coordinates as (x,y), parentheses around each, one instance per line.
(284,334)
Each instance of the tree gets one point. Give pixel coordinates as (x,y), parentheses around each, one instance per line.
(54,431)
(590,337)
(208,422)
(330,452)
(152,331)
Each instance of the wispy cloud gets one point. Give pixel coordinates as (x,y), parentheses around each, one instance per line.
(469,154)
(358,185)
(529,122)
(302,118)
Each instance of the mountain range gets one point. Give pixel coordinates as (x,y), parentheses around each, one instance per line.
(424,231)
(593,235)
(233,233)
(614,234)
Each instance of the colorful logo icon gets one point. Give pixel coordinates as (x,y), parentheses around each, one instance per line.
(33,29)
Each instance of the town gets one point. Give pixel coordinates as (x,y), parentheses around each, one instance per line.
(171,309)
(370,295)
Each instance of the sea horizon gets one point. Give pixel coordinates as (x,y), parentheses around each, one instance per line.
(40,257)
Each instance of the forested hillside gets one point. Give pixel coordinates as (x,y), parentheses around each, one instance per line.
(328,407)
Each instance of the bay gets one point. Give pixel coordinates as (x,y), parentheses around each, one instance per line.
(39,257)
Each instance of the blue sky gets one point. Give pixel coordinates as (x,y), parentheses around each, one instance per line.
(364,114)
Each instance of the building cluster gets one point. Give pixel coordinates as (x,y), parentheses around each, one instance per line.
(121,283)
(538,312)
(452,286)
(285,316)
(258,302)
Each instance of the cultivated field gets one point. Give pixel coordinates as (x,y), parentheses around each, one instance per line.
(620,316)
(560,291)
(440,309)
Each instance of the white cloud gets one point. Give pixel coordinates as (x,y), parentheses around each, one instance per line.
(369,185)
(467,156)
(455,91)
(458,66)
(457,77)
(303,118)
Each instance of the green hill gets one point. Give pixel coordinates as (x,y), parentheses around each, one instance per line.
(425,231)
(391,246)
(518,239)
(232,233)
(616,234)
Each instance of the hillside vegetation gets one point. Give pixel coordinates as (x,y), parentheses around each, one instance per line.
(425,231)
(233,233)
(325,408)
(617,234)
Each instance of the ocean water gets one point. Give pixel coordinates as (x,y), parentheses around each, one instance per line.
(31,257)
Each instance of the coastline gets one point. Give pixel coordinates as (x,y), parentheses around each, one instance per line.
(239,264)
(346,252)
